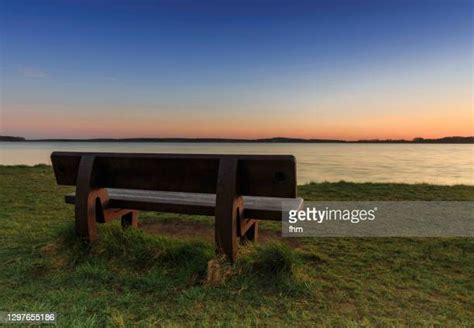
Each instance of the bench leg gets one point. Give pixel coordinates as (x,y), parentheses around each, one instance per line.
(229,207)
(130,219)
(90,202)
(226,231)
(88,211)
(251,234)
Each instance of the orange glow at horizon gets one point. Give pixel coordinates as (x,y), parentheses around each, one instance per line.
(394,127)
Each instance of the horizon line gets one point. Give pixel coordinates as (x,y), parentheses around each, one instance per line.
(447,139)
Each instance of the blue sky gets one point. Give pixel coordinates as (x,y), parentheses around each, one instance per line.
(342,69)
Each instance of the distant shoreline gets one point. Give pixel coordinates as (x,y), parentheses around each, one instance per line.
(445,140)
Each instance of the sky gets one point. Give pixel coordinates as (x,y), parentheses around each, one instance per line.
(236,69)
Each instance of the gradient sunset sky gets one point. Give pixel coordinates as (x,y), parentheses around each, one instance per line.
(248,69)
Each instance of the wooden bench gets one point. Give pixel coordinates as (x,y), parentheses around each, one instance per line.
(237,189)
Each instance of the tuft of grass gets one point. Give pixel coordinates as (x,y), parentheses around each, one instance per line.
(219,271)
(271,260)
(132,249)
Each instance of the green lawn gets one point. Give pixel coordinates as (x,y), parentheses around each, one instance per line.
(131,278)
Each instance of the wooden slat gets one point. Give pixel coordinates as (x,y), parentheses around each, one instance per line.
(258,175)
(262,208)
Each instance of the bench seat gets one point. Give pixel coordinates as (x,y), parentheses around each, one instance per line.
(262,208)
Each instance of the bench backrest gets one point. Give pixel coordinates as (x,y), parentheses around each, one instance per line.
(258,175)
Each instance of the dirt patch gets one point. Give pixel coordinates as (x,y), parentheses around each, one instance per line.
(180,229)
(199,230)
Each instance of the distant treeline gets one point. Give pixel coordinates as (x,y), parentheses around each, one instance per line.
(452,140)
(10,138)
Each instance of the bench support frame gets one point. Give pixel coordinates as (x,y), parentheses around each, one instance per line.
(229,220)
(92,204)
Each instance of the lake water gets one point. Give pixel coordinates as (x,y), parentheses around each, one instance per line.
(410,163)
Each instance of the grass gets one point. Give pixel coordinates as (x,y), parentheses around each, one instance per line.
(131,278)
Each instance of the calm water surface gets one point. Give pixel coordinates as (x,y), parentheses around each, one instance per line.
(410,163)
